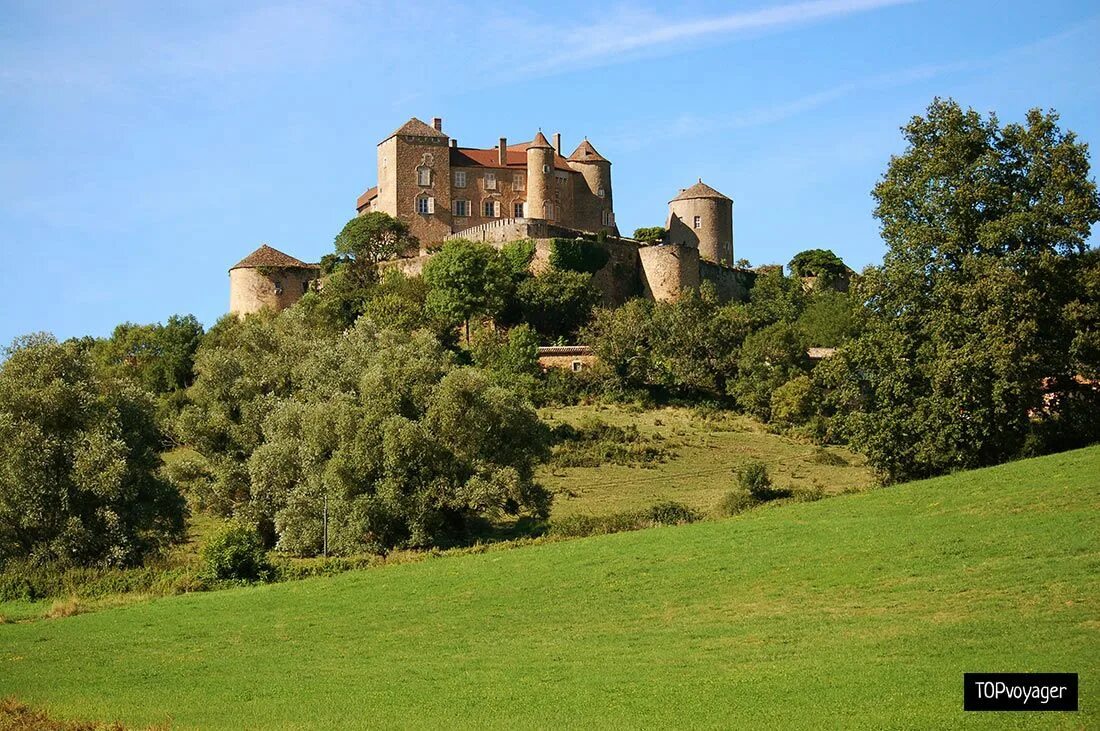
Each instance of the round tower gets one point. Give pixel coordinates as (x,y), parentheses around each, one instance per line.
(268,279)
(598,209)
(540,179)
(702,218)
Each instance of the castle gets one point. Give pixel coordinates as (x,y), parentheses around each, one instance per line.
(526,190)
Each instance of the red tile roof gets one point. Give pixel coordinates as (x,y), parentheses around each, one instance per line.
(266,256)
(516,158)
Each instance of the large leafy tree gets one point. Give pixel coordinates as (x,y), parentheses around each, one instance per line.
(78,462)
(350,273)
(973,336)
(467,280)
(556,303)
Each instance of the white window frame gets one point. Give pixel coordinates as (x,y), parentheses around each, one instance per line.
(490,209)
(424,175)
(428,207)
(519,181)
(520,210)
(697,222)
(460,178)
(490,181)
(545,168)
(464,205)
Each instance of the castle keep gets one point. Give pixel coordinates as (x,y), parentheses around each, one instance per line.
(526,190)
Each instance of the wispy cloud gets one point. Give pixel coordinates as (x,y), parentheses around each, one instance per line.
(638,135)
(632,32)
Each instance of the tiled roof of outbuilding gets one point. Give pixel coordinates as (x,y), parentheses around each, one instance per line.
(266,256)
(368,195)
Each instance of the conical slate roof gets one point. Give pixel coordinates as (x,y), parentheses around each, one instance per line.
(585,152)
(540,141)
(700,190)
(266,256)
(417,128)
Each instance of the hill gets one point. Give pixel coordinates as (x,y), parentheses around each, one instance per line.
(862,610)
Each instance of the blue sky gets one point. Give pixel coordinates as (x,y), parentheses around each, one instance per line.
(147,147)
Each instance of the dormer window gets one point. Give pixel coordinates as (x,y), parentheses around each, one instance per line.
(423,175)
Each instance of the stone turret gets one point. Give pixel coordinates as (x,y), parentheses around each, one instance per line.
(702,218)
(268,278)
(540,179)
(596,210)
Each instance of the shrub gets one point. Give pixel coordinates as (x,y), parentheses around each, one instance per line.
(756,481)
(734,502)
(671,513)
(825,457)
(581,526)
(578,255)
(236,553)
(593,443)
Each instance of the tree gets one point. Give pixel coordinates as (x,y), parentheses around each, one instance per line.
(775,297)
(351,271)
(373,237)
(823,264)
(829,318)
(78,462)
(556,303)
(769,358)
(159,358)
(467,279)
(969,323)
(578,255)
(406,450)
(651,234)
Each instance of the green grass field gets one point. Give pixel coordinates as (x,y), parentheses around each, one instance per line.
(708,452)
(858,611)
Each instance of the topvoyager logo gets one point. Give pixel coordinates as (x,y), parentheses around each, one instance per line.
(1020,691)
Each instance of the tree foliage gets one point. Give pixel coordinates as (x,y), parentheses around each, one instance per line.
(969,354)
(78,462)
(556,303)
(467,280)
(578,255)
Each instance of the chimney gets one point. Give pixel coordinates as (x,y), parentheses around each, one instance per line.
(437,122)
(454,143)
(502,152)
(557,143)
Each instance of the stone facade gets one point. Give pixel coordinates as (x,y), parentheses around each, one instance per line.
(438,188)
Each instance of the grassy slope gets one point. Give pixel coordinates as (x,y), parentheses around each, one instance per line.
(708,453)
(863,610)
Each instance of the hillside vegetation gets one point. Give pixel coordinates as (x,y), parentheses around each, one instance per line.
(862,611)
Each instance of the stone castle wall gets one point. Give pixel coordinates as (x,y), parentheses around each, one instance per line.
(731,284)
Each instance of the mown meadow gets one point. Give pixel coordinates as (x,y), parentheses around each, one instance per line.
(862,610)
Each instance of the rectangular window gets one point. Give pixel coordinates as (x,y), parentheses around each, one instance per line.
(491,208)
(600,192)
(519,210)
(462,208)
(424,205)
(608,218)
(518,181)
(698,222)
(490,181)
(460,178)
